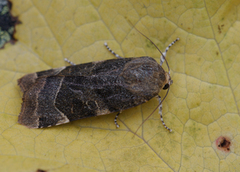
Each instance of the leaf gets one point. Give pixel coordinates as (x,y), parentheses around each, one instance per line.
(203,103)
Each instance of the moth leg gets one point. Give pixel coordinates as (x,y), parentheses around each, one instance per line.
(160,111)
(109,49)
(71,63)
(166,50)
(115,120)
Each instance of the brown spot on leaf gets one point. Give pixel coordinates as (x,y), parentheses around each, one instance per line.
(223,143)
(220,28)
(40,170)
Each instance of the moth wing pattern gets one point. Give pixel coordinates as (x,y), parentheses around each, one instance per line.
(57,96)
(29,80)
(38,109)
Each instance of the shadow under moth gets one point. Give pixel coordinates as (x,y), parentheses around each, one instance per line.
(58,96)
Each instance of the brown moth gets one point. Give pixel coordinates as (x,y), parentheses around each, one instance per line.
(58,96)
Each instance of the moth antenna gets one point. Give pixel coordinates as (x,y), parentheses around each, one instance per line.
(165,52)
(71,63)
(153,111)
(153,44)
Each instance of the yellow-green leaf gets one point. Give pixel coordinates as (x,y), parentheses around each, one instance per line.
(202,105)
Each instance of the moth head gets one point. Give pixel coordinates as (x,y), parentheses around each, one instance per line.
(168,82)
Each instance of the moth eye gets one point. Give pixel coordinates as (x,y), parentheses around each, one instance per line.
(166,86)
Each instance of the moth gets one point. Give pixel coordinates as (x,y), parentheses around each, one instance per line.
(58,96)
